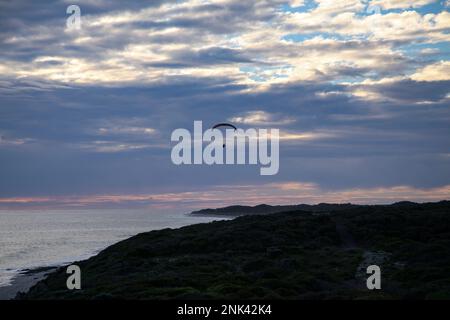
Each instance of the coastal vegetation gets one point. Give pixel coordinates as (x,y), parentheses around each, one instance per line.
(316,254)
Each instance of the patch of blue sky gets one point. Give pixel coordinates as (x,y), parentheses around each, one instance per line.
(435,7)
(263,73)
(437,51)
(308,6)
(300,37)
(370,10)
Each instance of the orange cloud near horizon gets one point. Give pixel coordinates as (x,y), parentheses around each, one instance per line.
(272,193)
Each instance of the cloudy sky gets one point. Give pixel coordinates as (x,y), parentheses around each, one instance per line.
(360,91)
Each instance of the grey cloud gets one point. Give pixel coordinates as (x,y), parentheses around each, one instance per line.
(64,122)
(371,143)
(210,56)
(412,91)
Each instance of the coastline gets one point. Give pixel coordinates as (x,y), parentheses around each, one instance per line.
(291,255)
(97,230)
(23,281)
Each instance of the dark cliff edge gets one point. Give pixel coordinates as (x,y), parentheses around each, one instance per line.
(288,255)
(267,209)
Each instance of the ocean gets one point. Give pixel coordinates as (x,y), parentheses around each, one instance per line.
(38,238)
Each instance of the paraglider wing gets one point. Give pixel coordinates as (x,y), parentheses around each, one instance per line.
(224,125)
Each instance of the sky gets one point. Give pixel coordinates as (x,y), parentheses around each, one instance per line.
(360,91)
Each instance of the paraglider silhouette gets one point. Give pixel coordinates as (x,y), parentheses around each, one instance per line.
(224,125)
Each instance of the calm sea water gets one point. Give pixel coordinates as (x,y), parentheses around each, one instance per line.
(30,239)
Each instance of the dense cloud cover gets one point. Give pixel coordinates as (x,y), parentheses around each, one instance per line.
(360,91)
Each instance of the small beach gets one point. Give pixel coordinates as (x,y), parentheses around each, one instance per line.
(24,281)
